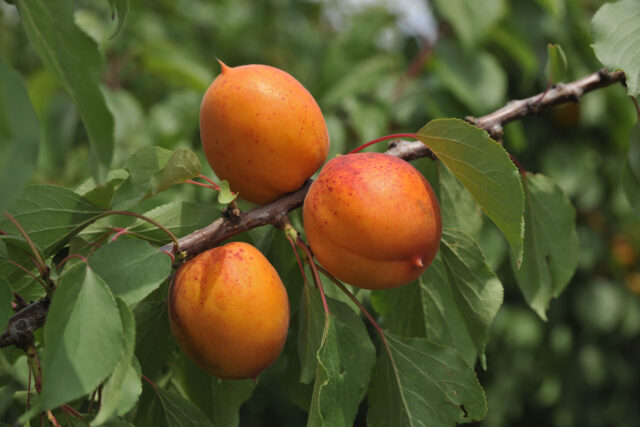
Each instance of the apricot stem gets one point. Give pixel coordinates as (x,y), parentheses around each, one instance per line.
(383,138)
(39,262)
(357,302)
(210,181)
(80,257)
(190,181)
(316,276)
(300,266)
(150,221)
(21,267)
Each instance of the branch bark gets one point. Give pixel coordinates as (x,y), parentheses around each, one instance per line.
(22,324)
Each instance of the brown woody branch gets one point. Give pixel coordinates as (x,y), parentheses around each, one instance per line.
(22,324)
(558,94)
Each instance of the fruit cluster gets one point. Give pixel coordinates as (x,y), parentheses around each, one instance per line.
(371,220)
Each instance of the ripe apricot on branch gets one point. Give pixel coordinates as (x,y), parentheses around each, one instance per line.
(229,311)
(372,220)
(262,131)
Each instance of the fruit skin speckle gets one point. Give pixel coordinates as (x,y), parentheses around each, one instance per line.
(372,220)
(229,311)
(261,116)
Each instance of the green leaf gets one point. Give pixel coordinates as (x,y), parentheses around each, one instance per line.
(132,268)
(634,150)
(550,244)
(220,400)
(460,296)
(121,9)
(401,309)
(423,384)
(73,58)
(19,135)
(50,214)
(345,359)
(153,170)
(180,218)
(83,337)
(556,69)
(631,187)
(459,209)
(475,79)
(471,20)
(225,196)
(484,168)
(102,195)
(631,171)
(616,37)
(6,296)
(154,340)
(124,383)
(172,410)
(310,333)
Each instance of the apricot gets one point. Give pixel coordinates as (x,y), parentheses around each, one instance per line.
(372,220)
(229,311)
(262,131)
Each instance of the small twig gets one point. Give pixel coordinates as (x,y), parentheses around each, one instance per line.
(543,94)
(316,276)
(151,221)
(42,267)
(190,181)
(52,419)
(67,258)
(300,266)
(210,181)
(120,232)
(383,138)
(74,413)
(20,302)
(33,276)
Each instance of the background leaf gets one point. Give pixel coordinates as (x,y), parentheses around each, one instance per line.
(310,332)
(225,196)
(154,340)
(51,214)
(460,296)
(172,410)
(484,168)
(345,358)
(73,58)
(152,170)
(464,17)
(132,268)
(220,400)
(19,136)
(83,337)
(550,246)
(616,39)
(423,384)
(556,68)
(124,382)
(119,8)
(180,218)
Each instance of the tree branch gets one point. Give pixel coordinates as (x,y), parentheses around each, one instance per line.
(32,317)
(559,94)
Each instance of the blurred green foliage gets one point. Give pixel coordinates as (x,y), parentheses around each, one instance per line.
(372,74)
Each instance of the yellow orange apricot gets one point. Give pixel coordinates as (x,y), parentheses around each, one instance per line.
(229,311)
(262,131)
(372,220)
